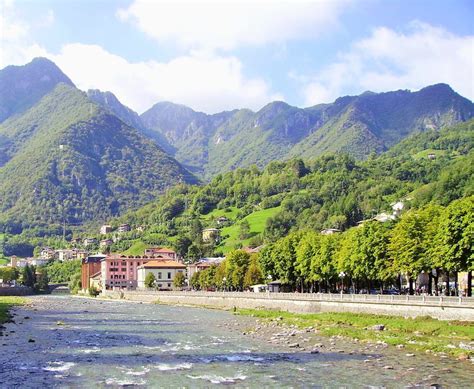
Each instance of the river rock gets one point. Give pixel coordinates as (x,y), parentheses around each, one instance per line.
(377,327)
(294,345)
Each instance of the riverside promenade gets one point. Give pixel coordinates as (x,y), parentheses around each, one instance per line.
(439,307)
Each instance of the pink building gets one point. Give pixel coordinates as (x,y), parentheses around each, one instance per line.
(120,271)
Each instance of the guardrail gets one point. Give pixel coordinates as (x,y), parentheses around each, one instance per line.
(360,298)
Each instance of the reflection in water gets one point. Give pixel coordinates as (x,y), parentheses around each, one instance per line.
(90,343)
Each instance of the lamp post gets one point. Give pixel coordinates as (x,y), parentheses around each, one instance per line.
(341,276)
(224,279)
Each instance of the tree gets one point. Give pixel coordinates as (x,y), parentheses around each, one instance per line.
(284,255)
(454,239)
(194,252)
(305,254)
(194,281)
(28,276)
(244,230)
(42,282)
(181,245)
(179,280)
(254,273)
(237,263)
(150,280)
(410,244)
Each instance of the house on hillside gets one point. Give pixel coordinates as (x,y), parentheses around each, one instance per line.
(64,254)
(222,220)
(105,243)
(203,264)
(89,241)
(105,229)
(330,231)
(124,228)
(47,253)
(164,272)
(161,252)
(211,235)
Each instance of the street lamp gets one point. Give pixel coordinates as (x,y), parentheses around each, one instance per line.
(224,281)
(341,276)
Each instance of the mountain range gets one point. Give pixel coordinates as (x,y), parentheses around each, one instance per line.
(66,159)
(70,156)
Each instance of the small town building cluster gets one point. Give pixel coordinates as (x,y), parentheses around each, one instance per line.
(114,271)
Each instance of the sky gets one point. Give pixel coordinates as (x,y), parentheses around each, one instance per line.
(222,55)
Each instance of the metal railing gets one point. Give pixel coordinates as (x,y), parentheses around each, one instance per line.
(356,298)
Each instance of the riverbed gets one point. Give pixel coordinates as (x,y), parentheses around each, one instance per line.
(61,341)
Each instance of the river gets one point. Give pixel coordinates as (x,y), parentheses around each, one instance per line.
(61,341)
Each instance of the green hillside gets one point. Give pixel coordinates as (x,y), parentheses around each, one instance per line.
(356,125)
(68,160)
(333,191)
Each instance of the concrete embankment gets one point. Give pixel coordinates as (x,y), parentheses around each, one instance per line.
(447,309)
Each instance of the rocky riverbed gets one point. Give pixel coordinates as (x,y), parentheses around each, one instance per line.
(73,342)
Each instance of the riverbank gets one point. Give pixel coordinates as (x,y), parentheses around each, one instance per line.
(443,308)
(417,335)
(6,303)
(93,342)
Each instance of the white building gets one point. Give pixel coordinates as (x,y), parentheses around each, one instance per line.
(164,272)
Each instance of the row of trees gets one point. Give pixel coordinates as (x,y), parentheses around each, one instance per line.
(432,239)
(237,272)
(35,278)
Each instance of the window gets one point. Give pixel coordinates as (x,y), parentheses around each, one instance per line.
(124,269)
(169,276)
(169,285)
(159,275)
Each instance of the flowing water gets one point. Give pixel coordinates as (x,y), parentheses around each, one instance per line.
(60,341)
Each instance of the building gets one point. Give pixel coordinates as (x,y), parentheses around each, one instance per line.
(105,229)
(222,220)
(164,272)
(76,241)
(106,243)
(90,266)
(161,252)
(120,271)
(253,250)
(384,217)
(123,228)
(211,235)
(203,264)
(47,253)
(330,231)
(37,261)
(89,241)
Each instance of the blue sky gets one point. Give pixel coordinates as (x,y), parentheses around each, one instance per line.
(224,55)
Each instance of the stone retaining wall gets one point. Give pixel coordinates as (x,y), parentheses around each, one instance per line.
(442,312)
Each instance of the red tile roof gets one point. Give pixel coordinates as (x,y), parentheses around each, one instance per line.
(164,264)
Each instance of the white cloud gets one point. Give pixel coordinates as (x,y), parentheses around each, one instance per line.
(227,24)
(204,81)
(201,79)
(16,47)
(390,60)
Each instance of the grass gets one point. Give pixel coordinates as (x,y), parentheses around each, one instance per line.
(229,213)
(138,248)
(419,334)
(6,302)
(257,221)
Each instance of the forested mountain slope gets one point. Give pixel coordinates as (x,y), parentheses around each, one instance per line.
(68,160)
(357,125)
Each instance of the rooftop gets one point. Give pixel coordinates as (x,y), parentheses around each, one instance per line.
(163,264)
